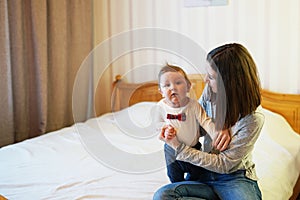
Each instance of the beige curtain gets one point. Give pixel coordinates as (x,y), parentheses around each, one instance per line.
(42,45)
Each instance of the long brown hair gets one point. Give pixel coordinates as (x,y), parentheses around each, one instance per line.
(238,83)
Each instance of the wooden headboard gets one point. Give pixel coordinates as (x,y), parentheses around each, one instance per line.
(126,94)
(288,105)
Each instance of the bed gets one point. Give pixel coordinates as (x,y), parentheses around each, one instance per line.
(114,156)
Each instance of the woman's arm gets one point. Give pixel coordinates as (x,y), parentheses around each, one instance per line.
(244,135)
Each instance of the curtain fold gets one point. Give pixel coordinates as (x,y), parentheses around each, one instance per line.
(6,108)
(43,43)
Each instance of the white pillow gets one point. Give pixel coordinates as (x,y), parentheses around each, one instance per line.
(277,157)
(136,120)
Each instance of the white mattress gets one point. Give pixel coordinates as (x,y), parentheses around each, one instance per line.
(115,157)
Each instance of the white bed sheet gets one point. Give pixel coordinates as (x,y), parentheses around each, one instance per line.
(71,163)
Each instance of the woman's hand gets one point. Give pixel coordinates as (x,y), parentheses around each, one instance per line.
(168,135)
(222,140)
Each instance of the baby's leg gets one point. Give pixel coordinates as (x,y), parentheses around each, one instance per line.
(174,168)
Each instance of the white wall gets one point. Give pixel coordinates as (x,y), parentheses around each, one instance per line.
(270,29)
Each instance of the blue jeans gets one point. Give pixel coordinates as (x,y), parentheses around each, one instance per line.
(176,169)
(212,186)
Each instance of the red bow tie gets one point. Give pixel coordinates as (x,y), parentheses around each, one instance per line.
(180,117)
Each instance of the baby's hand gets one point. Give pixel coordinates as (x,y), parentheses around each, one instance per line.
(168,135)
(170,132)
(222,140)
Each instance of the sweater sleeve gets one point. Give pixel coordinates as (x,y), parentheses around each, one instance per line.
(244,136)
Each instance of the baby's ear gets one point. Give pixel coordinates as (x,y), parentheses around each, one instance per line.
(159,90)
(189,86)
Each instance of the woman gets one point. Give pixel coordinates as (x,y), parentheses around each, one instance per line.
(232,98)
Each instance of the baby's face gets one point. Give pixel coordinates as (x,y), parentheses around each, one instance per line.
(174,88)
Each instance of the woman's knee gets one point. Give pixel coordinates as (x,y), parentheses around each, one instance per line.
(164,193)
(185,189)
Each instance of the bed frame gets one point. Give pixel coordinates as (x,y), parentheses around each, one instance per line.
(126,94)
